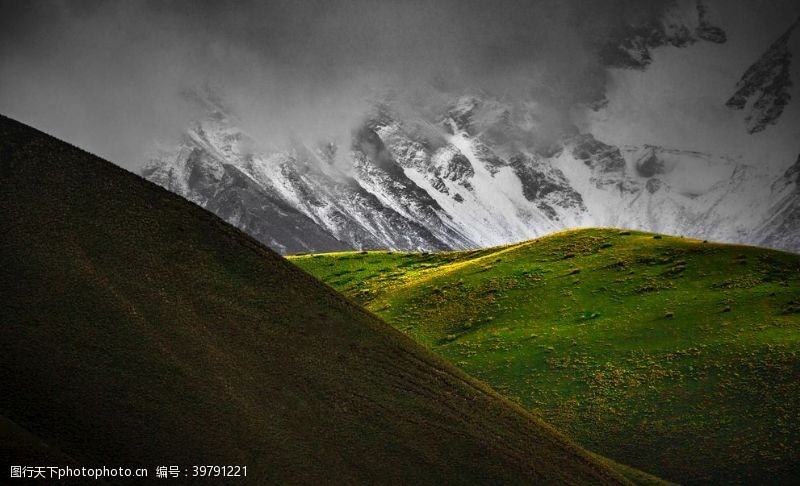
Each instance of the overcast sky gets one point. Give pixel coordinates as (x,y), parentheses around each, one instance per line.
(108,75)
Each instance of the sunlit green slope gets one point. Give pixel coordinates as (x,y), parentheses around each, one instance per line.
(676,356)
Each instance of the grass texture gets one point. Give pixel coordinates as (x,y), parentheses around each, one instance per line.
(676,356)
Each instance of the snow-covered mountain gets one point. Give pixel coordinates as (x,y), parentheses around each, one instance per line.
(298,200)
(478,172)
(418,185)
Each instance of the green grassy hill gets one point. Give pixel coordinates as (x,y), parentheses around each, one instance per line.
(673,355)
(139,330)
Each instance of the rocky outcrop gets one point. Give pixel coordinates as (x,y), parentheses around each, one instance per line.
(631,45)
(765,88)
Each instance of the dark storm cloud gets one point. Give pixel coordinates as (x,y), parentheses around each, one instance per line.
(107,75)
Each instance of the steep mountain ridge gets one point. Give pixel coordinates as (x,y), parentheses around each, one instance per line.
(325,209)
(477,177)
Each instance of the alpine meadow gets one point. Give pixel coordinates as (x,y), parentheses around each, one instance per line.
(674,355)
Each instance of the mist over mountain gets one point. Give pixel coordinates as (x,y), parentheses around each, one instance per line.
(419,125)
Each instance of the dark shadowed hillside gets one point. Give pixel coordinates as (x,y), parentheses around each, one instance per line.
(138,329)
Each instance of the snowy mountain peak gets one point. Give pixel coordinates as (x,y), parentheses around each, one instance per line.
(468,177)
